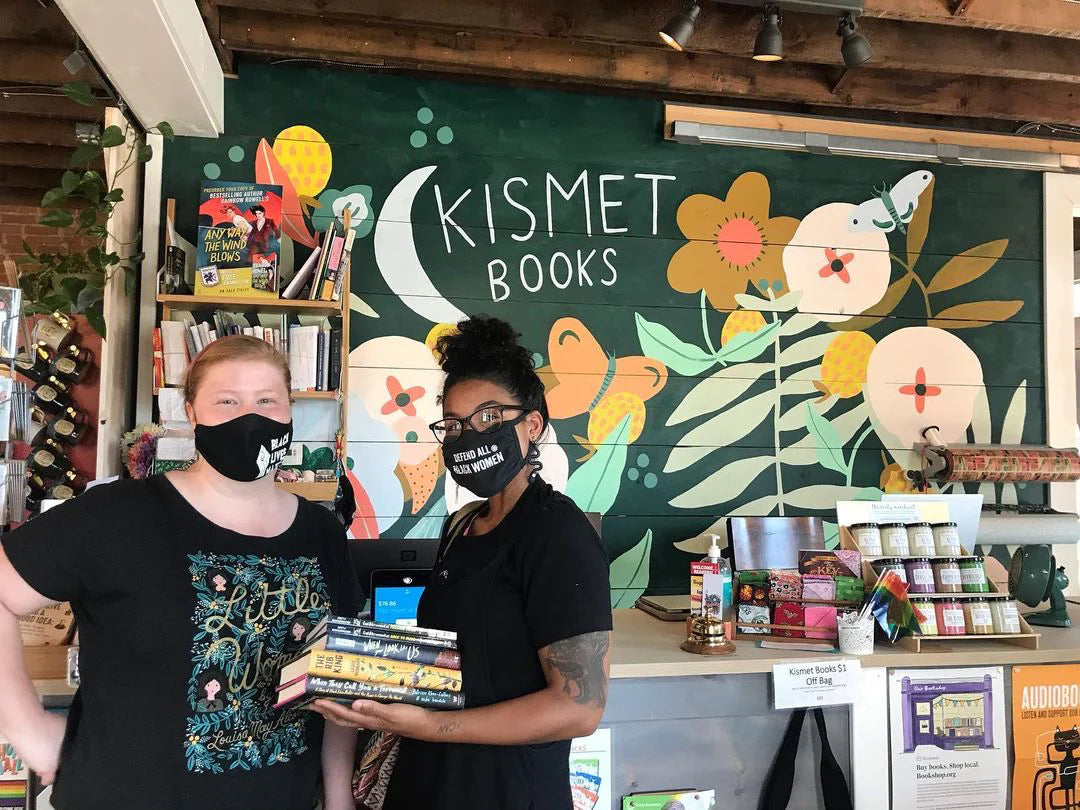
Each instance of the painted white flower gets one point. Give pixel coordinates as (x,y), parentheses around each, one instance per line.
(921,377)
(839,272)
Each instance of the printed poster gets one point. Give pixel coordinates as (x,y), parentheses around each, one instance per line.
(948,739)
(1046,739)
(590,771)
(239,244)
(14,777)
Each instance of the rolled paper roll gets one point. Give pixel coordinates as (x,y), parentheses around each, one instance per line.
(1013,529)
(1003,465)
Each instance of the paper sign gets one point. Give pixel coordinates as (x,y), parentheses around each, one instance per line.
(815,683)
(590,771)
(1046,714)
(849,512)
(949,741)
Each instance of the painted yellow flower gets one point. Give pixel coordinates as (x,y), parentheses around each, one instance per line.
(843,368)
(894,480)
(733,241)
(742,320)
(306,157)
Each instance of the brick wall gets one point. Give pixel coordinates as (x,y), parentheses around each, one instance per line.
(19,222)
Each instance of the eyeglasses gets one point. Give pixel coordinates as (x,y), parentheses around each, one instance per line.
(484,420)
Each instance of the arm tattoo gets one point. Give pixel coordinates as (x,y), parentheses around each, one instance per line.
(579,662)
(449,728)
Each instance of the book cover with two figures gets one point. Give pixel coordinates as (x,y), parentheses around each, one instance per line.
(239,244)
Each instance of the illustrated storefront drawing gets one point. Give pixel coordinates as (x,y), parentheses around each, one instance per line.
(947,714)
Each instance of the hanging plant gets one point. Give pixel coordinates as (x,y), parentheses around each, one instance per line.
(73,281)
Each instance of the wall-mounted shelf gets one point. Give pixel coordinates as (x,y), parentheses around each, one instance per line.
(318,491)
(275,305)
(315,395)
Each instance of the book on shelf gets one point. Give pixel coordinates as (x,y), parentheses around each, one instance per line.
(351,667)
(357,641)
(303,356)
(333,382)
(320,268)
(159,359)
(174,351)
(343,271)
(320,360)
(239,242)
(312,687)
(172,276)
(303,275)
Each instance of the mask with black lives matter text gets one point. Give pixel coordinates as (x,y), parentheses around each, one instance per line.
(246,448)
(484,463)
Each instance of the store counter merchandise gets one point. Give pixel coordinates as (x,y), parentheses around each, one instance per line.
(682,720)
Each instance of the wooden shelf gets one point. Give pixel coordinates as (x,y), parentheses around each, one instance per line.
(278,305)
(311,491)
(314,394)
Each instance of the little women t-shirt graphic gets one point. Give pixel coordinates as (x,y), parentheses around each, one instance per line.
(250,613)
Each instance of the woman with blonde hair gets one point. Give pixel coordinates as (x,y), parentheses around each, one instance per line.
(192,578)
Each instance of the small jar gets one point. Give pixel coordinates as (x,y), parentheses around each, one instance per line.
(894,541)
(978,620)
(947,576)
(921,539)
(947,540)
(1004,613)
(892,564)
(920,575)
(926,614)
(950,617)
(867,537)
(973,575)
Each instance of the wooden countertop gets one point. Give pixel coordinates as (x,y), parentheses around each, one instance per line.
(644,647)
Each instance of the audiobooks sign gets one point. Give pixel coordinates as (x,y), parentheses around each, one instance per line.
(1046,735)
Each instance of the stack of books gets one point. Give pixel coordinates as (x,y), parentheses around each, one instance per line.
(353,659)
(325,268)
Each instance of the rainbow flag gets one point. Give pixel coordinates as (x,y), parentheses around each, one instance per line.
(888,601)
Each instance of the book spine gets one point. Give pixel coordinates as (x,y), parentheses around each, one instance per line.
(346,266)
(196,338)
(204,330)
(379,670)
(159,360)
(334,380)
(387,635)
(333,268)
(348,691)
(319,365)
(408,652)
(213,335)
(398,629)
(189,340)
(302,275)
(320,268)
(267,335)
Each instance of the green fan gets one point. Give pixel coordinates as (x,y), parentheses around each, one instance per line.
(1033,578)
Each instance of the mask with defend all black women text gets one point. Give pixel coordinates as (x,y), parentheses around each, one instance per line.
(484,463)
(246,448)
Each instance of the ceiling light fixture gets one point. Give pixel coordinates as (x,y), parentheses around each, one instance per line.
(855,47)
(678,30)
(769,45)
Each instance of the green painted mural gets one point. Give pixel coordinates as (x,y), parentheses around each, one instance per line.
(721,330)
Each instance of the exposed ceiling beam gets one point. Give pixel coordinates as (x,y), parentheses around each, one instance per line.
(29,19)
(28,177)
(12,195)
(726,30)
(23,62)
(209,11)
(665,72)
(45,104)
(36,156)
(1058,18)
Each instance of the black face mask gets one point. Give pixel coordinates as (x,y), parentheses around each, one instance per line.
(484,463)
(246,448)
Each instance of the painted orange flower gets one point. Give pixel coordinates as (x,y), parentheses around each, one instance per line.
(732,241)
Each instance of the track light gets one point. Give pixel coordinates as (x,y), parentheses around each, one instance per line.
(678,30)
(769,45)
(855,47)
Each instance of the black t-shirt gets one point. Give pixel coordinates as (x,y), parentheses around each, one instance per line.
(182,624)
(539,577)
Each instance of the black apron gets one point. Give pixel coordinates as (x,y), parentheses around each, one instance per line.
(452,776)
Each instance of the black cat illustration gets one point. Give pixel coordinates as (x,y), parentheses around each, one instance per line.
(1059,782)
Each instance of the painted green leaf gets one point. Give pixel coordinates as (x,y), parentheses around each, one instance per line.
(974,314)
(919,225)
(980,418)
(749,345)
(724,485)
(830,455)
(628,576)
(819,496)
(785,303)
(594,485)
(832,534)
(358,304)
(715,391)
(797,324)
(431,524)
(794,418)
(724,429)
(810,348)
(846,425)
(868,494)
(967,266)
(1012,429)
(759,507)
(660,343)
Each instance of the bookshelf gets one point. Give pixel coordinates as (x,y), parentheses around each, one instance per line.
(317,491)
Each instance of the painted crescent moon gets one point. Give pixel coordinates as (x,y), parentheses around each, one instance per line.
(395,253)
